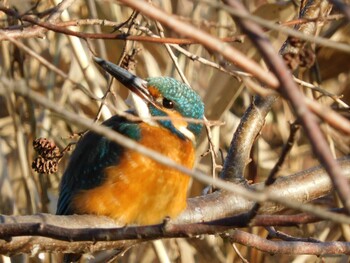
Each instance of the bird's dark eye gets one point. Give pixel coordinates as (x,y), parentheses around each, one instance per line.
(169,104)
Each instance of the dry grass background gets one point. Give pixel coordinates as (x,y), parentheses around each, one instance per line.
(24,191)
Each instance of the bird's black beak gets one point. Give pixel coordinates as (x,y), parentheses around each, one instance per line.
(129,80)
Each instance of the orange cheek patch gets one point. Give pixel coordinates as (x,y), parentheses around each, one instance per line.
(154,92)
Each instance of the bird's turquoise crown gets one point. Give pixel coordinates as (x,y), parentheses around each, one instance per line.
(186,102)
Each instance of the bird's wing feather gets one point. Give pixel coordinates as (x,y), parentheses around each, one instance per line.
(92,155)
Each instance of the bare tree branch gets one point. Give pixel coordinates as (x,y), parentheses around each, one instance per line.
(244,137)
(289,247)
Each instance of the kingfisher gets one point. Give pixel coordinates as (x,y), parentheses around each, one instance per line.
(105,178)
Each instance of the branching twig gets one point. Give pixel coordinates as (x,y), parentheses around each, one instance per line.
(289,247)
(246,133)
(273,233)
(272,176)
(294,127)
(53,14)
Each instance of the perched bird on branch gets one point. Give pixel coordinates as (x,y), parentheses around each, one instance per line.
(104,178)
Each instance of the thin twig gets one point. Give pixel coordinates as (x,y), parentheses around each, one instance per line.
(273,233)
(289,247)
(294,127)
(272,175)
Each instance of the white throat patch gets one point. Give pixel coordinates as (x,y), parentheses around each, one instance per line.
(187,133)
(141,108)
(143,112)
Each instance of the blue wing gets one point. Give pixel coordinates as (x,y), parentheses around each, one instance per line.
(91,156)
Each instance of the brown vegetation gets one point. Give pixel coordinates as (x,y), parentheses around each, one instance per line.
(266,128)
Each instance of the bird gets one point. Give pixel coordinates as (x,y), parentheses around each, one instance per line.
(106,178)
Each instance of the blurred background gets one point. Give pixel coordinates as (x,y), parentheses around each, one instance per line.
(73,81)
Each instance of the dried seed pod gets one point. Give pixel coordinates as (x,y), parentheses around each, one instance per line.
(46,148)
(42,165)
(51,166)
(49,156)
(38,163)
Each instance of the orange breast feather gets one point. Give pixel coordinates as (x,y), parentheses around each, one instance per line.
(139,190)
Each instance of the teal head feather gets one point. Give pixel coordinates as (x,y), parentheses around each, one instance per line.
(184,99)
